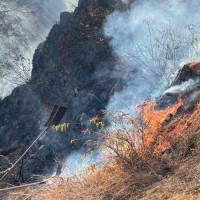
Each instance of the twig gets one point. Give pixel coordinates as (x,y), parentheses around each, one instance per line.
(8,171)
(22,186)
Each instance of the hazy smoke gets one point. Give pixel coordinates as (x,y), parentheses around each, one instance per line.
(153,40)
(183,87)
(75,165)
(194,97)
(31,29)
(125,1)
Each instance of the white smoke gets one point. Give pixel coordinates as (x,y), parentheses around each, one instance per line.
(194,97)
(125,1)
(153,40)
(183,87)
(75,164)
(33,26)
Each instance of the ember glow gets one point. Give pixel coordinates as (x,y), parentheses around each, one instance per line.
(193,64)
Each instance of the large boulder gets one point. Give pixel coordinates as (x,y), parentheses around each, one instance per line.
(186,85)
(186,73)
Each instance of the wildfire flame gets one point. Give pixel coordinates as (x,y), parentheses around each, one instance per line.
(154,121)
(159,130)
(158,135)
(192,121)
(155,118)
(192,64)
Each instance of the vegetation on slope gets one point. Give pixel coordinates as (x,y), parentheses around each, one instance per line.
(154,156)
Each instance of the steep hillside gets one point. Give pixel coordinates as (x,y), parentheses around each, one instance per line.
(163,165)
(71,68)
(90,63)
(182,185)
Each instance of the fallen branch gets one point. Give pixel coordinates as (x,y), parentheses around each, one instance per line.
(56,116)
(9,171)
(22,186)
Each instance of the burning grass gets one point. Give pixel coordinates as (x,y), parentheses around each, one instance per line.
(192,64)
(154,120)
(146,158)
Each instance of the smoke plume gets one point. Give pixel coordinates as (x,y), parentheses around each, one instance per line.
(183,87)
(28,26)
(75,164)
(152,39)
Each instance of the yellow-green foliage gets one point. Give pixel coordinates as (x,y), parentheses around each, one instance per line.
(62,127)
(97,122)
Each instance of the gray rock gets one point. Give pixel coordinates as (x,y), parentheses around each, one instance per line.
(65,69)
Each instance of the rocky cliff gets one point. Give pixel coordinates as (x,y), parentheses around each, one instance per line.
(71,68)
(186,85)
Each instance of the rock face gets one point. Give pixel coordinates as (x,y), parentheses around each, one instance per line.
(71,68)
(186,86)
(186,73)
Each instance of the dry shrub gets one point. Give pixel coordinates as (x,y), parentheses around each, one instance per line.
(99,185)
(137,144)
(151,147)
(137,153)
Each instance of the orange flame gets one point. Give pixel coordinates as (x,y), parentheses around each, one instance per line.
(160,130)
(185,122)
(154,121)
(155,118)
(192,64)
(157,137)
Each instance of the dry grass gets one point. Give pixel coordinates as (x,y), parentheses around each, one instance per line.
(99,185)
(119,183)
(184,184)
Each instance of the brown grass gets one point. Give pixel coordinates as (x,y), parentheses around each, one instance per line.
(184,184)
(119,183)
